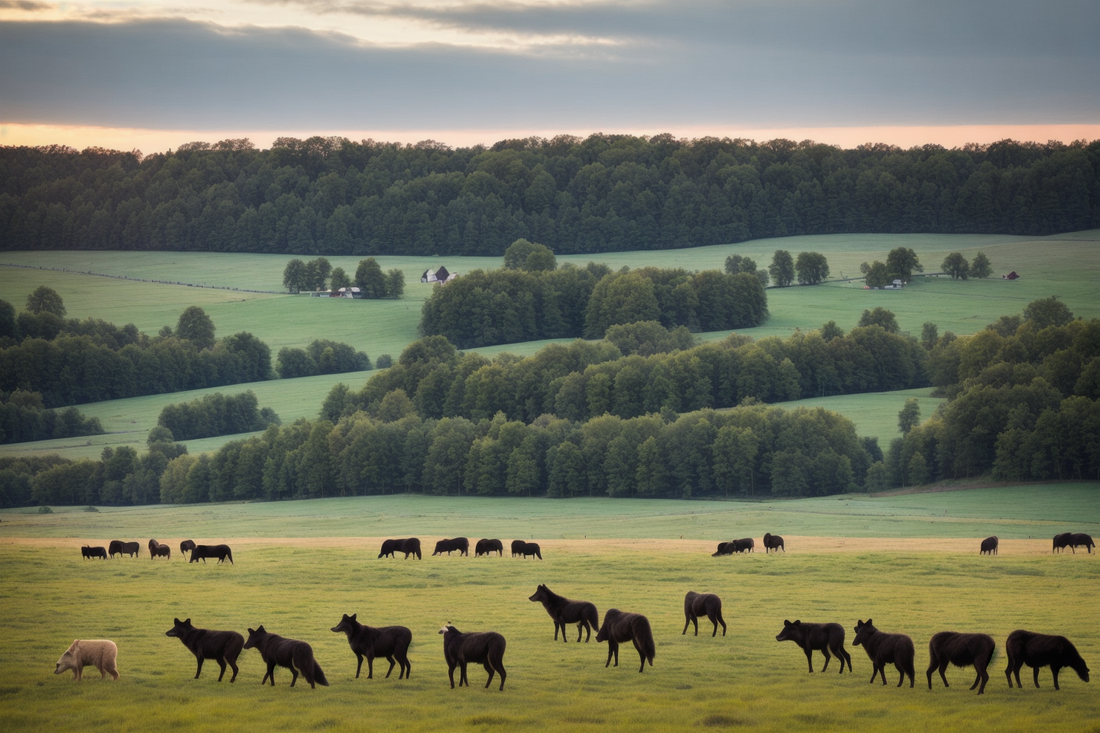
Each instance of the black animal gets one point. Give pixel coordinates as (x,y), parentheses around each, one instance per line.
(744,545)
(517,547)
(773,542)
(388,642)
(297,656)
(156,550)
(186,546)
(989,546)
(410,546)
(93,552)
(883,649)
(1061,541)
(1080,539)
(480,647)
(222,646)
(564,611)
(703,604)
(1042,650)
(120,548)
(448,546)
(724,548)
(222,552)
(484,547)
(526,549)
(823,637)
(962,650)
(619,626)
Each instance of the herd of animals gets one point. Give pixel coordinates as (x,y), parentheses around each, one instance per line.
(619,627)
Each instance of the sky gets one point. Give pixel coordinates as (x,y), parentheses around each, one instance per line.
(152,75)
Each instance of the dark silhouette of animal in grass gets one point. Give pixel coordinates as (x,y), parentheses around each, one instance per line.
(619,626)
(120,548)
(517,547)
(156,550)
(724,548)
(388,642)
(448,546)
(484,547)
(409,546)
(526,549)
(565,611)
(99,653)
(703,604)
(989,546)
(883,649)
(962,650)
(773,542)
(1042,650)
(480,647)
(221,552)
(823,637)
(744,545)
(91,553)
(297,656)
(1080,539)
(186,546)
(1061,541)
(222,646)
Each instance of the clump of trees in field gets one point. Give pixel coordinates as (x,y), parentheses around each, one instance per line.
(320,357)
(216,414)
(24,418)
(318,274)
(958,268)
(603,193)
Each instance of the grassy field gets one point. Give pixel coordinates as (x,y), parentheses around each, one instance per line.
(301,565)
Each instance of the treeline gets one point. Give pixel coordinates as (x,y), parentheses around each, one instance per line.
(483,308)
(320,357)
(24,418)
(597,194)
(216,414)
(1025,403)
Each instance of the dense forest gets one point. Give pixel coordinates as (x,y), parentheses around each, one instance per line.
(596,194)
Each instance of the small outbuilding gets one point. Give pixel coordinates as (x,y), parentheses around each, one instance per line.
(437,276)
(1011,276)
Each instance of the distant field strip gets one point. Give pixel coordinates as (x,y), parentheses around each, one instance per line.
(139,279)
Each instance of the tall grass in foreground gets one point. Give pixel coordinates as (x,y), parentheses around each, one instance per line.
(745,680)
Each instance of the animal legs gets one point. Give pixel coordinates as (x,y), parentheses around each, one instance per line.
(221,663)
(828,658)
(641,653)
(1054,670)
(358,667)
(370,667)
(199,670)
(810,659)
(691,620)
(612,649)
(392,663)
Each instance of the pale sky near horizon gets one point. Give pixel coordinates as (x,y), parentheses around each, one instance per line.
(153,75)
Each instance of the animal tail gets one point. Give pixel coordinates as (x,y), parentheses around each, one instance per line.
(319,674)
(647,639)
(593,616)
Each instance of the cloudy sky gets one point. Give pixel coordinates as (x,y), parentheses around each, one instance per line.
(155,74)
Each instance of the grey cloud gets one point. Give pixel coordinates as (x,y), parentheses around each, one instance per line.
(29,5)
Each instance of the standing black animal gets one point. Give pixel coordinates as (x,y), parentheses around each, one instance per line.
(517,547)
(410,546)
(883,649)
(222,552)
(222,646)
(703,604)
(186,546)
(724,548)
(823,637)
(297,656)
(619,626)
(526,549)
(484,547)
(989,546)
(93,552)
(1080,539)
(1061,541)
(564,611)
(156,550)
(773,542)
(962,650)
(120,548)
(480,647)
(448,546)
(389,642)
(1042,650)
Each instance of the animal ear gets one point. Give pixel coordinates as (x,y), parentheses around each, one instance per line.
(868,622)
(252,631)
(798,622)
(786,622)
(178,622)
(187,622)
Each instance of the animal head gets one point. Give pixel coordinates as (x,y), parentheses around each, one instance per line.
(254,636)
(347,623)
(539,593)
(863,630)
(68,660)
(179,628)
(448,628)
(788,630)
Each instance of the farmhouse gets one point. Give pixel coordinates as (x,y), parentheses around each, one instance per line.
(437,276)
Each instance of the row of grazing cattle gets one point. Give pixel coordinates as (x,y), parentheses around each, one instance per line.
(946,647)
(1072,540)
(461,545)
(747,544)
(158,549)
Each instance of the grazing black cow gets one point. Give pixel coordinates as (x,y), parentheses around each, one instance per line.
(93,552)
(410,546)
(724,548)
(448,546)
(703,604)
(222,646)
(1042,650)
(989,546)
(1080,539)
(619,626)
(186,546)
(222,552)
(564,611)
(480,647)
(484,547)
(962,650)
(526,549)
(120,548)
(517,547)
(297,656)
(773,542)
(823,637)
(883,649)
(1061,541)
(388,642)
(156,550)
